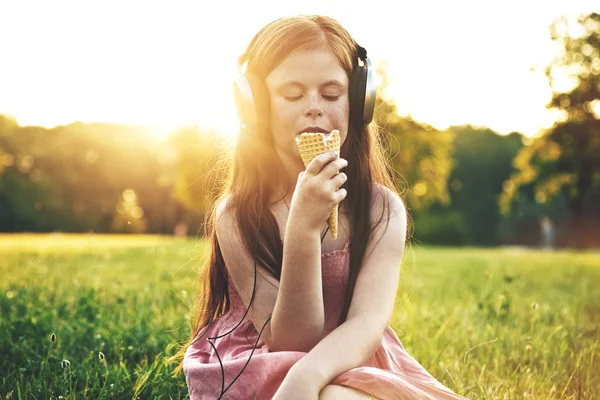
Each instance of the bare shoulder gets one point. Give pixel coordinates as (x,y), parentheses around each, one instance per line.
(222,207)
(388,219)
(228,233)
(383,195)
(225,222)
(238,259)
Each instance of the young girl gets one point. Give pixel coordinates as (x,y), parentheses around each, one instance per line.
(319,308)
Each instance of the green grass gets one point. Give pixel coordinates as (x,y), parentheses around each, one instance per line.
(488,323)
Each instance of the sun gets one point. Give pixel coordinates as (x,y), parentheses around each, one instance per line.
(215,112)
(224,119)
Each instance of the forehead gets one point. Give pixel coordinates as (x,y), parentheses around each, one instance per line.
(311,67)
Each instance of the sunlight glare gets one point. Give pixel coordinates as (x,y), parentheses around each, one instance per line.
(177,66)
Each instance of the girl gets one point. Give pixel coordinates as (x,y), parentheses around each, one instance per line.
(286,311)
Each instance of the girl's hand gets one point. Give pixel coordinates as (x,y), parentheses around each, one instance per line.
(297,386)
(317,191)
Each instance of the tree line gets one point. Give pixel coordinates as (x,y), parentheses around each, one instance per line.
(464,185)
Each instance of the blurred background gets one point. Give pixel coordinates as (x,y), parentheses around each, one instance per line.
(118,117)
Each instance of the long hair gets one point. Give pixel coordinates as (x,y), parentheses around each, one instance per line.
(250,183)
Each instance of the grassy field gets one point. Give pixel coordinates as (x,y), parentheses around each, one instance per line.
(488,323)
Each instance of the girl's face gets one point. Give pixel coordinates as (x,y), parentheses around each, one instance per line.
(309,93)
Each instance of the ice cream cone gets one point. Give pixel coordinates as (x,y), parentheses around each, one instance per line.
(310,145)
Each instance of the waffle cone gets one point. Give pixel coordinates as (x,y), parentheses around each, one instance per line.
(310,145)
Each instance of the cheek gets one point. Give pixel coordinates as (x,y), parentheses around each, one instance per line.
(339,114)
(282,115)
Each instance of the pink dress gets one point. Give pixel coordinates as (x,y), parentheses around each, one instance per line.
(389,374)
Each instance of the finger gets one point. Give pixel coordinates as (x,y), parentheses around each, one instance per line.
(317,163)
(334,167)
(340,195)
(339,179)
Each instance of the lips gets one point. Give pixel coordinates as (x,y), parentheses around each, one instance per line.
(314,129)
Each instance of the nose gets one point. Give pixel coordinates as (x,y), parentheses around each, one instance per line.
(313,110)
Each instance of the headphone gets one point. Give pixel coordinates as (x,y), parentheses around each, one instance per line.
(362,92)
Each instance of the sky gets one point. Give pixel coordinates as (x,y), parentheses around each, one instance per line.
(172,63)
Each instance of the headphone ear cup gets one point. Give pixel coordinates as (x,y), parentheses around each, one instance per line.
(261,105)
(357,90)
(244,100)
(370,98)
(240,106)
(251,101)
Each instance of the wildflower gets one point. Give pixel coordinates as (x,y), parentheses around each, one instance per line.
(66,363)
(534,305)
(53,338)
(101,356)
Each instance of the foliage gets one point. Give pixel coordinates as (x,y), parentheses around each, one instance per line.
(75,178)
(482,162)
(201,166)
(445,227)
(566,158)
(419,154)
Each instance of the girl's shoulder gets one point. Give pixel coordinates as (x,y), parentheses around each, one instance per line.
(226,226)
(223,205)
(385,198)
(389,213)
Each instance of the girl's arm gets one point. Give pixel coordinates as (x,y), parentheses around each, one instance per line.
(353,342)
(295,303)
(298,319)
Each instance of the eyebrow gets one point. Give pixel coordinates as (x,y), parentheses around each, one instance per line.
(331,82)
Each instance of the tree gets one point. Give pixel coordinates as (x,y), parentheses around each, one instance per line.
(202,159)
(482,162)
(80,177)
(7,127)
(566,158)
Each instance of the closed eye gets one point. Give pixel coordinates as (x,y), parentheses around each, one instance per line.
(325,96)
